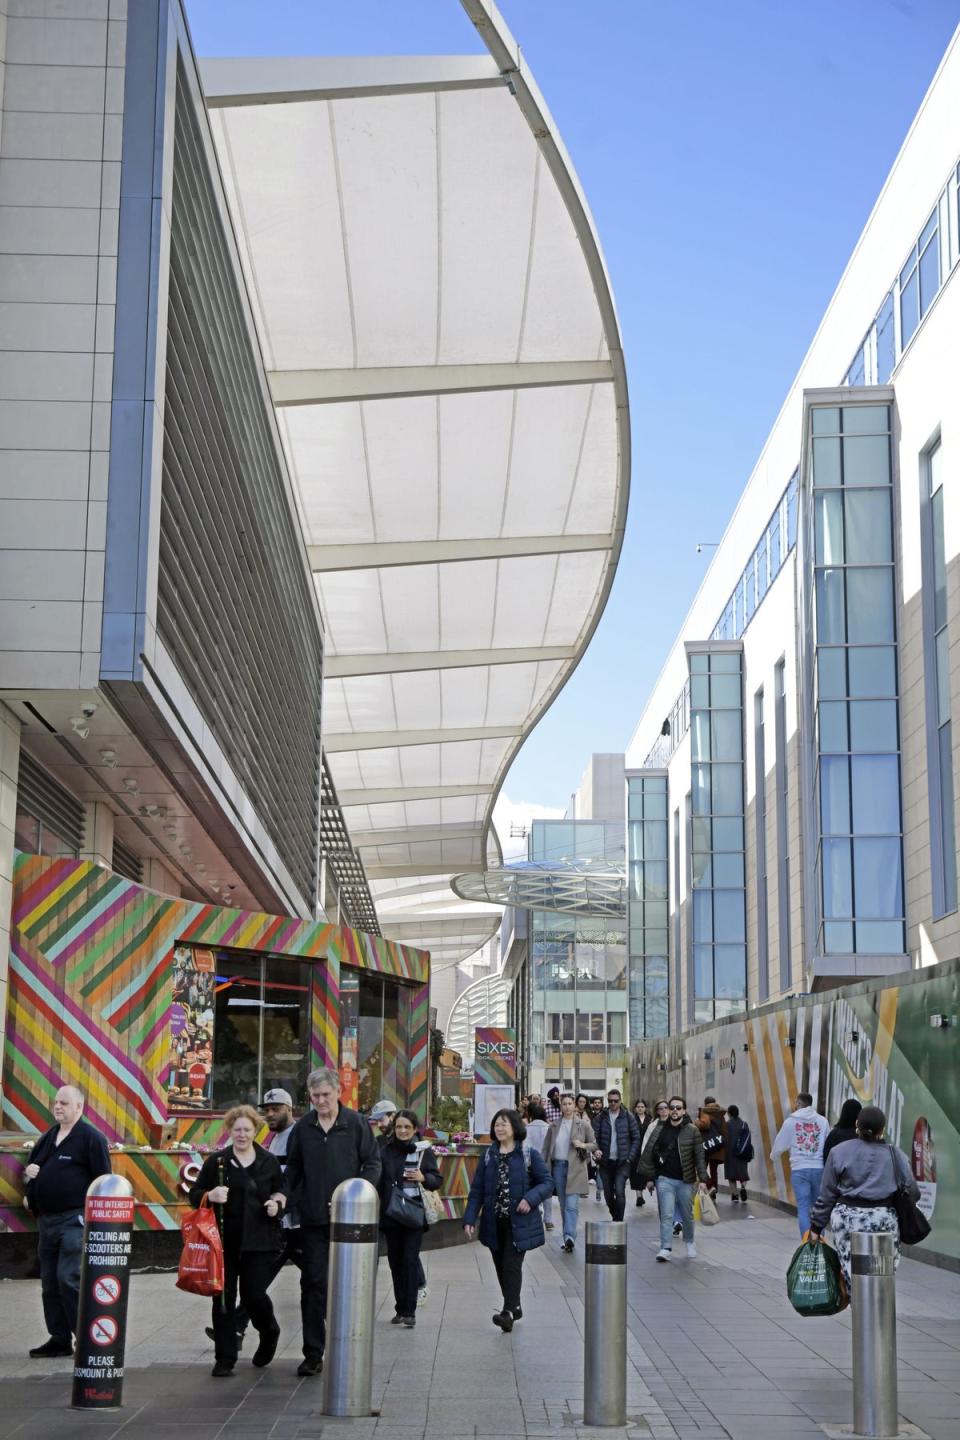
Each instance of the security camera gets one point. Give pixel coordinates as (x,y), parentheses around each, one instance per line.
(89,709)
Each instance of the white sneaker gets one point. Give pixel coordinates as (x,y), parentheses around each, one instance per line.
(422,1294)
(691,1251)
(663,1254)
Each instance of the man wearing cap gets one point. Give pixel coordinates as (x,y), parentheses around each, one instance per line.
(382,1115)
(278,1113)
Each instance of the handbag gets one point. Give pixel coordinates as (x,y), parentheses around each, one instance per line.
(914,1225)
(713,1141)
(200,1271)
(815,1281)
(432,1206)
(406,1210)
(709,1214)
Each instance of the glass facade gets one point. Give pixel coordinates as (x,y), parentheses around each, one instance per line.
(760,822)
(647,902)
(937,673)
(578,966)
(859,855)
(260,1023)
(717,833)
(783,827)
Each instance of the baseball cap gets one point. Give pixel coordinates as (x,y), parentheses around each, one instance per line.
(278,1097)
(383,1107)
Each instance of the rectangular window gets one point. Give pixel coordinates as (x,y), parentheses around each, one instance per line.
(261,1027)
(760,815)
(647,904)
(783,833)
(937,683)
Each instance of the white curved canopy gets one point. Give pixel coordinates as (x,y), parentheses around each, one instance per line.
(443,352)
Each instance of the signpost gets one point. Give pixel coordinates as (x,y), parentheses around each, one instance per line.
(104,1293)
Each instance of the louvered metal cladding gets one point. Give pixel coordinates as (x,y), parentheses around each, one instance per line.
(39,795)
(356,903)
(234,606)
(124,862)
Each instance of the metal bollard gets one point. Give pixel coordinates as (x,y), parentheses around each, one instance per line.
(605,1324)
(351,1298)
(104,1291)
(874,1313)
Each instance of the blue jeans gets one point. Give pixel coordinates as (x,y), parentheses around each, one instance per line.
(569,1204)
(806,1188)
(60,1252)
(671,1195)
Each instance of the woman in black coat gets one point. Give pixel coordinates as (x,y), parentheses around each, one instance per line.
(408,1163)
(845,1128)
(644,1121)
(245,1184)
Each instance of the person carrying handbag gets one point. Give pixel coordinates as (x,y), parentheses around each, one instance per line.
(409,1168)
(861,1188)
(244,1183)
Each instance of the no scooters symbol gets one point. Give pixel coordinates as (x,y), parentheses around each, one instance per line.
(104,1330)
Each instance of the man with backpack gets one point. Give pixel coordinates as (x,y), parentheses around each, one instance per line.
(739,1154)
(713,1128)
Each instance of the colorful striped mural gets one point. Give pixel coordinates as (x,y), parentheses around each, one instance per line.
(91,988)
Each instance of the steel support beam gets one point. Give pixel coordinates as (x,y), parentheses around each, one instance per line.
(339,667)
(230,82)
(338,742)
(325,387)
(399,794)
(373,555)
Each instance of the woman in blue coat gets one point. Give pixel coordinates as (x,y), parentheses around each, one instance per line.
(509,1186)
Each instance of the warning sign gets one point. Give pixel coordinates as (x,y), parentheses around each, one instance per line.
(106,1289)
(104,1330)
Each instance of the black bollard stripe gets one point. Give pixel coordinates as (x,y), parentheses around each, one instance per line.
(606,1254)
(354,1234)
(871,1265)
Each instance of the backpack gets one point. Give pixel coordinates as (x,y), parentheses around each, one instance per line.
(744,1146)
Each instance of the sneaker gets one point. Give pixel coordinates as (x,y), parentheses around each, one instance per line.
(409,1321)
(504,1318)
(518,1313)
(743,1197)
(267,1348)
(422,1294)
(51,1350)
(310,1365)
(691,1251)
(397,1320)
(663,1254)
(548,1225)
(568,1245)
(678,1229)
(222,1368)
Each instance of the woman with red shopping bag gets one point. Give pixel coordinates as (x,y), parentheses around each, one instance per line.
(244,1184)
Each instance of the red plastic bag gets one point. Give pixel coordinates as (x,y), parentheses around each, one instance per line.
(201,1261)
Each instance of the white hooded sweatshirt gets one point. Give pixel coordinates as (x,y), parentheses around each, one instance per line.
(803,1133)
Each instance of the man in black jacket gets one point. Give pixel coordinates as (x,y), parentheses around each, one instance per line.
(328,1145)
(63,1163)
(618,1145)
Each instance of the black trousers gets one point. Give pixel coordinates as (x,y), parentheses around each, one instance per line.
(61,1250)
(509,1264)
(614,1177)
(291,1251)
(249,1272)
(403,1257)
(315,1258)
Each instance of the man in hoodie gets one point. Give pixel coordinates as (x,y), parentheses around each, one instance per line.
(802,1135)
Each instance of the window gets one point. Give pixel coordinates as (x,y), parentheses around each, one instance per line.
(858,742)
(760,815)
(937,683)
(647,850)
(49,820)
(261,1027)
(783,833)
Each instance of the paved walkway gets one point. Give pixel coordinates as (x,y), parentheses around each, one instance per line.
(714,1351)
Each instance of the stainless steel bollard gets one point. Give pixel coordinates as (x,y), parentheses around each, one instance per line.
(605,1324)
(874,1313)
(351,1298)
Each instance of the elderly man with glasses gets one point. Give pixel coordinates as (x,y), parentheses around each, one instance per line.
(675,1162)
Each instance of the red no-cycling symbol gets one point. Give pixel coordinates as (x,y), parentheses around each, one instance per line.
(106,1289)
(104,1330)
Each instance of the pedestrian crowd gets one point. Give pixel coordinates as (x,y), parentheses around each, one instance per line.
(273,1204)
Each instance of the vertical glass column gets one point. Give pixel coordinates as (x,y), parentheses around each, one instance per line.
(937,676)
(648,964)
(760,821)
(717,833)
(783,821)
(859,856)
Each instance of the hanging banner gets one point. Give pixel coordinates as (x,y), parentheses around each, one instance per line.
(190,1066)
(495,1055)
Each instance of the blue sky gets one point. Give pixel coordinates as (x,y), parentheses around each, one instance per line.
(730,154)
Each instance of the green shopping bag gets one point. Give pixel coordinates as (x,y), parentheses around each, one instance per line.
(815,1282)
